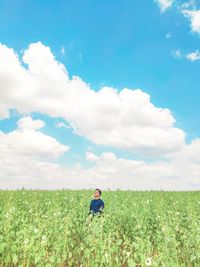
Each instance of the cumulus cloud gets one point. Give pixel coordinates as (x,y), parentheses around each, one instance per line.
(27,141)
(194,56)
(180,172)
(125,119)
(194,17)
(91,156)
(28,123)
(28,157)
(164,4)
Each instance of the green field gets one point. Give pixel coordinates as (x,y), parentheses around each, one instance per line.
(52,228)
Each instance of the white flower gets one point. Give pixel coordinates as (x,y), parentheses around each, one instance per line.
(128,253)
(35,230)
(26,241)
(106,255)
(148,261)
(43,237)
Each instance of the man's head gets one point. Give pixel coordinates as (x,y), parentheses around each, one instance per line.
(97,193)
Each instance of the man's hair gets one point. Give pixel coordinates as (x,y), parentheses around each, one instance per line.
(98,190)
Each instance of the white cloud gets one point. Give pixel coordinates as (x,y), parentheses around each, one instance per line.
(164,4)
(194,17)
(189,4)
(27,159)
(180,172)
(26,141)
(4,112)
(91,156)
(60,124)
(62,50)
(176,53)
(188,9)
(194,56)
(29,123)
(126,119)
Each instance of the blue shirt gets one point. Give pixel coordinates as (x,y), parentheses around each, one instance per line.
(96,205)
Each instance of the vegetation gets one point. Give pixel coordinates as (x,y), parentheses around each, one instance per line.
(52,228)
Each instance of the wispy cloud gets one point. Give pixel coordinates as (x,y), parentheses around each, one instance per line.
(188,9)
(80,55)
(62,50)
(194,56)
(189,4)
(60,124)
(164,4)
(176,53)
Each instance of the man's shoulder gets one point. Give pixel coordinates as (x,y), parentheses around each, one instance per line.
(97,200)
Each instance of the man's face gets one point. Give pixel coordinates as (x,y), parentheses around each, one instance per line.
(96,193)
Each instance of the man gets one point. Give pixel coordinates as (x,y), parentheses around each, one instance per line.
(96,204)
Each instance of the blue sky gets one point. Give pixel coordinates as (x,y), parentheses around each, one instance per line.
(124,44)
(120,45)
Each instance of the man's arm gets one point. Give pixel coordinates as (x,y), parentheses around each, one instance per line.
(102,207)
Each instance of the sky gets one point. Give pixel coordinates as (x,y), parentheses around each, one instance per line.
(100,94)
